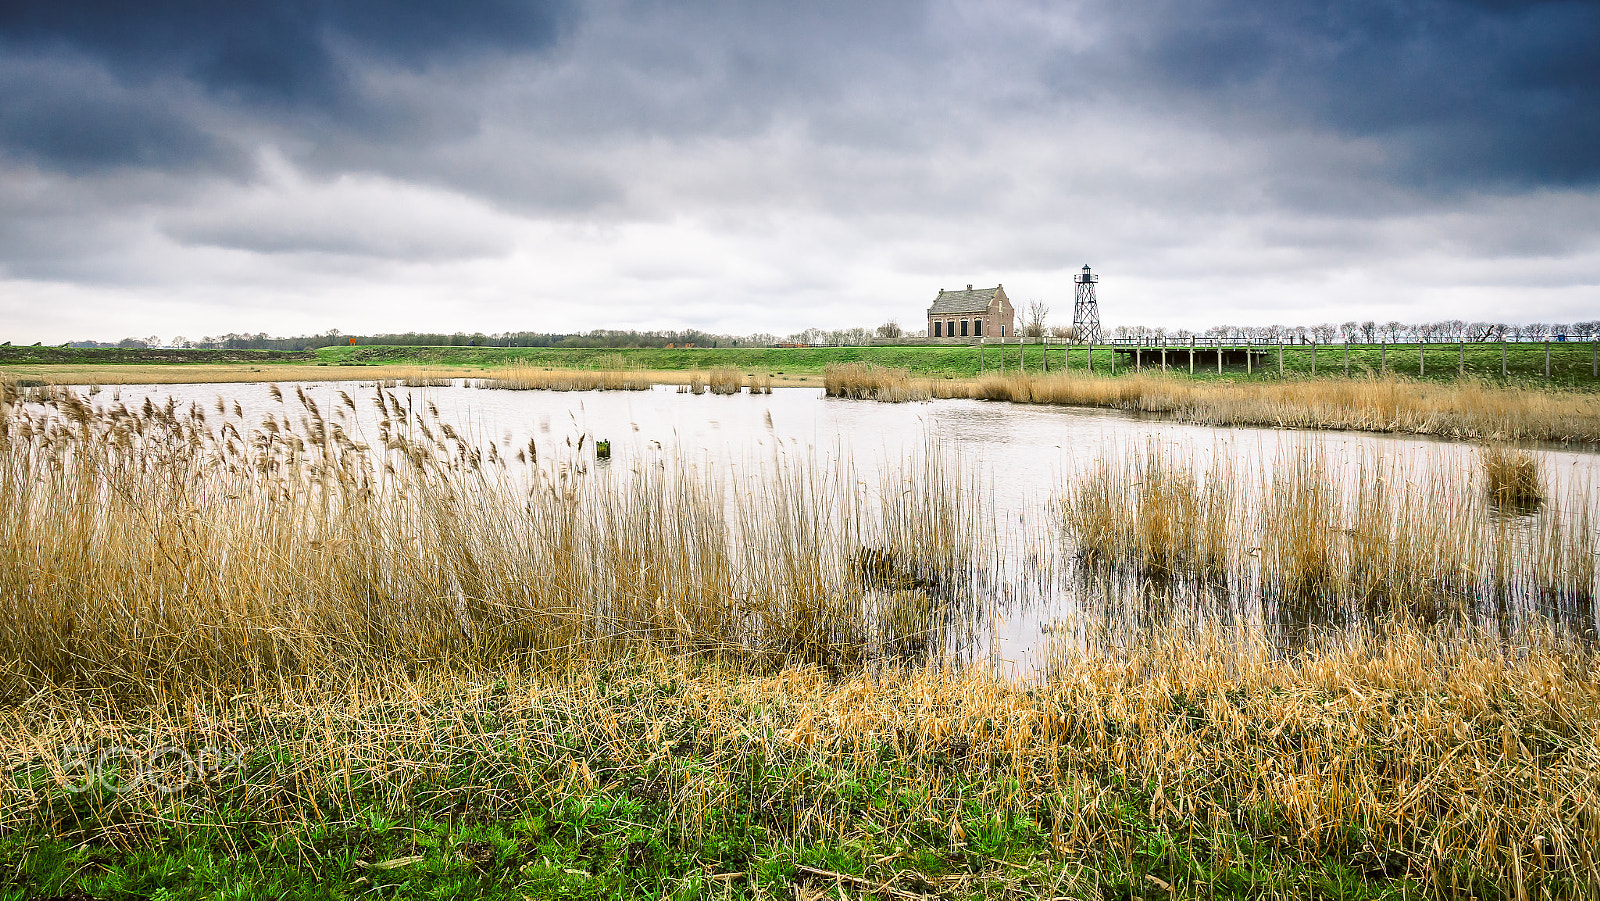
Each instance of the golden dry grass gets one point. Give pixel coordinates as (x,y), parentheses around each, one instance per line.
(1513,476)
(566,380)
(866,381)
(1465,768)
(1460,409)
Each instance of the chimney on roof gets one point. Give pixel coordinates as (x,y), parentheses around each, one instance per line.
(969,286)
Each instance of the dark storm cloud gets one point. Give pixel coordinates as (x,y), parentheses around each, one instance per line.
(1460,92)
(295,60)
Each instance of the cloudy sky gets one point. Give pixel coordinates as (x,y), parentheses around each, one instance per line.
(189,167)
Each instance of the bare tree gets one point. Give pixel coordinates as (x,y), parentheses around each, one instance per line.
(890,329)
(1034,327)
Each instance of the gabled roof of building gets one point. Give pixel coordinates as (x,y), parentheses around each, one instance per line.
(968,301)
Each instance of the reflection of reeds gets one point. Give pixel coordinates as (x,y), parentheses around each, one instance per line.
(865,381)
(545,380)
(1462,409)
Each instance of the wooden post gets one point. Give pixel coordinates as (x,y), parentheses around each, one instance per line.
(1091,356)
(1594,357)
(1313,358)
(1044,355)
(1383,356)
(1422,349)
(1138,357)
(1219,357)
(1191,355)
(1249,359)
(1503,372)
(1461,363)
(1547,357)
(1347,357)
(1163,354)
(1280,357)
(980,358)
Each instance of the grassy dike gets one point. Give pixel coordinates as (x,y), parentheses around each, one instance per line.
(1570,366)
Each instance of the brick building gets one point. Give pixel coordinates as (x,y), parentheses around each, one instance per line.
(981,313)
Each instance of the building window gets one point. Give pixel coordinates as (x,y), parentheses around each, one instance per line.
(936,325)
(977,328)
(963,328)
(950,329)
(1002,331)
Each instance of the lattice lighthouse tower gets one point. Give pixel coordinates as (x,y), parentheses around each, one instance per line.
(1085,309)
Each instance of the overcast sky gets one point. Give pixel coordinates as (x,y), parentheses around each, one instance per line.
(190,167)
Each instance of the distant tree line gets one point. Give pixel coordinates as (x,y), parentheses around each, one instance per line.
(1371,332)
(1033,325)
(606,338)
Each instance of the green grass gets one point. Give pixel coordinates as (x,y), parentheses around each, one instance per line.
(1571,363)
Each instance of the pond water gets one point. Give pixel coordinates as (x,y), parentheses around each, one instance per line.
(1036,590)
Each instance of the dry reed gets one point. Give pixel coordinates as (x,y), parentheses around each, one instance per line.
(245,556)
(726,380)
(866,381)
(1384,538)
(566,380)
(1513,476)
(1461,409)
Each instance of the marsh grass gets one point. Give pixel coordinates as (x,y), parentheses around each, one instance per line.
(240,555)
(425,380)
(1370,764)
(866,381)
(578,380)
(1467,408)
(726,380)
(1513,476)
(409,636)
(1384,538)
